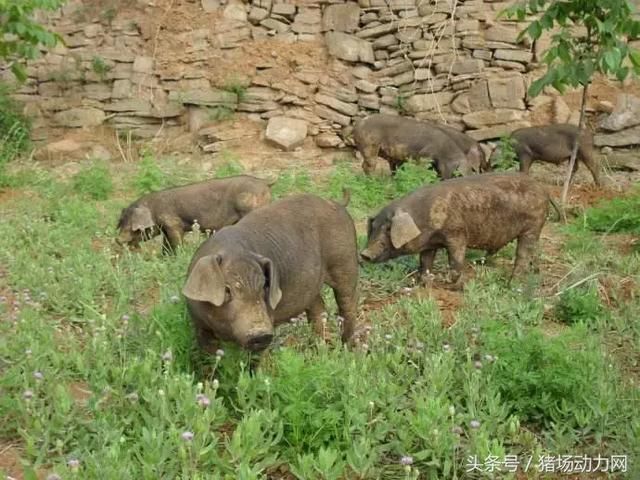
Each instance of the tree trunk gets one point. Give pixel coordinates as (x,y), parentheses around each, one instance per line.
(574,152)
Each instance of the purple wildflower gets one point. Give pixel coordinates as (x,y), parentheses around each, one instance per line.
(38,375)
(53,476)
(203,400)
(28,395)
(220,353)
(406,460)
(474,424)
(73,463)
(174,299)
(187,436)
(167,356)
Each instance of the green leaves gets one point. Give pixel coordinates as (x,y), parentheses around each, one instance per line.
(575,55)
(20,35)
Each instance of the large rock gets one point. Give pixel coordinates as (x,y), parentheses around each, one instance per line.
(428,101)
(341,17)
(496,131)
(235,11)
(626,113)
(343,107)
(483,118)
(512,55)
(80,117)
(259,99)
(70,149)
(624,138)
(507,92)
(286,133)
(328,140)
(206,97)
(331,115)
(349,48)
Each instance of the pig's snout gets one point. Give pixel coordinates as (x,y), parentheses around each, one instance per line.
(366,255)
(259,341)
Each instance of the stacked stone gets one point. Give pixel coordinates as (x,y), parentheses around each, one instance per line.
(285,22)
(433,60)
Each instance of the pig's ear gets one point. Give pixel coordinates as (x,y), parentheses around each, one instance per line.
(369,226)
(141,219)
(206,282)
(274,294)
(403,229)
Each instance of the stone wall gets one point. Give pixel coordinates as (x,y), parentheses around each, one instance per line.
(444,60)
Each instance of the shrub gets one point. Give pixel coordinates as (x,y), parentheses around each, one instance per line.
(150,177)
(94,181)
(580,305)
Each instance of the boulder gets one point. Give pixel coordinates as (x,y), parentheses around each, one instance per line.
(483,118)
(235,11)
(341,17)
(507,92)
(496,131)
(623,138)
(349,48)
(80,117)
(328,140)
(428,101)
(286,133)
(349,109)
(207,97)
(625,114)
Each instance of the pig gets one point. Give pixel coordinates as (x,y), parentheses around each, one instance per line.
(213,203)
(553,144)
(476,159)
(397,138)
(270,267)
(481,211)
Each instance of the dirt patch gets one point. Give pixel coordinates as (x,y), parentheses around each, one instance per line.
(448,301)
(10,461)
(80,392)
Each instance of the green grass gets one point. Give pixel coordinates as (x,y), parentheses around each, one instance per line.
(98,361)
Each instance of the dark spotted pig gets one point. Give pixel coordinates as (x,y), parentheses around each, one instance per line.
(481,212)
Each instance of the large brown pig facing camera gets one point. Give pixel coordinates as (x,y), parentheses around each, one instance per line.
(171,213)
(270,267)
(483,212)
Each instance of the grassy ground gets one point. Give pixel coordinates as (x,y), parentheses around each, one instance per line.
(100,378)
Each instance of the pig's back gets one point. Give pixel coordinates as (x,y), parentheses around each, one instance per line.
(489,210)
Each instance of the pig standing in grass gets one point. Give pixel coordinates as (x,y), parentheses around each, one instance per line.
(553,144)
(397,139)
(482,212)
(270,267)
(172,212)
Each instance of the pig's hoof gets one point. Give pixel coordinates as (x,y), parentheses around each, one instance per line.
(426,279)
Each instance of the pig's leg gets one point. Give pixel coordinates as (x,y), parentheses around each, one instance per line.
(369,157)
(171,239)
(586,155)
(525,162)
(444,169)
(456,249)
(347,300)
(427,258)
(314,315)
(524,252)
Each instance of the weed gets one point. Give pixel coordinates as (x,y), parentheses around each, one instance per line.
(401,104)
(220,113)
(94,181)
(109,15)
(580,305)
(99,67)
(14,131)
(238,87)
(505,157)
(230,167)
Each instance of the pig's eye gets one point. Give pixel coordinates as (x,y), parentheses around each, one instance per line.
(227,293)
